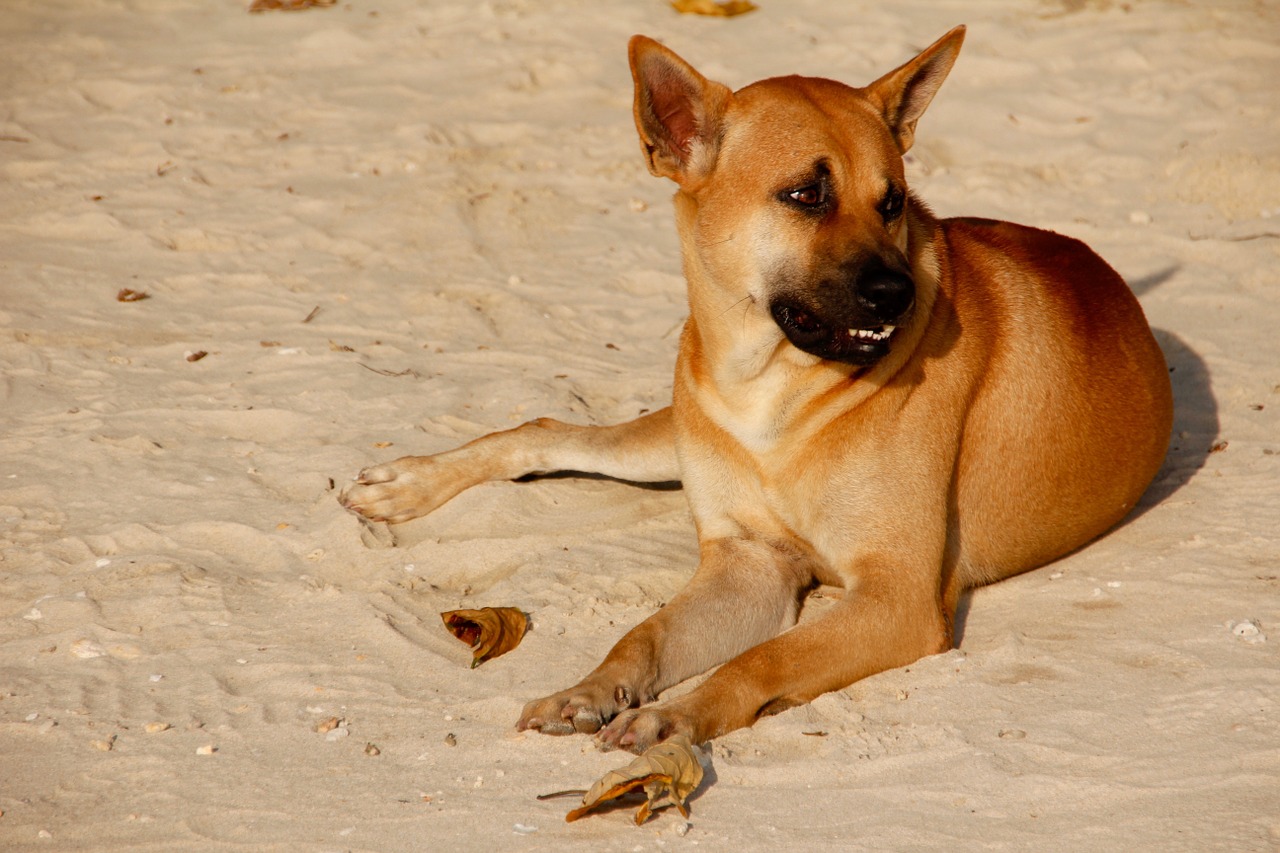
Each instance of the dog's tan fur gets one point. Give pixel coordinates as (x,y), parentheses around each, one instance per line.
(1018,410)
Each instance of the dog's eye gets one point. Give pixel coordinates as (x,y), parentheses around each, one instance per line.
(810,196)
(890,207)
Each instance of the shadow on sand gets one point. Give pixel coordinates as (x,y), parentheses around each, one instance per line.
(1195,409)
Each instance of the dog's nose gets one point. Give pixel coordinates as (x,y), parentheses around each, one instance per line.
(883,291)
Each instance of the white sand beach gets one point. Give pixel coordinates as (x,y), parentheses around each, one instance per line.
(391,226)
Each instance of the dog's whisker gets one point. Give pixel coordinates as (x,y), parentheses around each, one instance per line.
(737,303)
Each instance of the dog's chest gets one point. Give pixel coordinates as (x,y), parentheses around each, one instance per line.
(755,422)
(755,419)
(756,414)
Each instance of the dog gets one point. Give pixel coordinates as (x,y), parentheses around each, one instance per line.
(865,396)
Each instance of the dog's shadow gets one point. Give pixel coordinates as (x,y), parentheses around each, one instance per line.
(1195,409)
(1195,424)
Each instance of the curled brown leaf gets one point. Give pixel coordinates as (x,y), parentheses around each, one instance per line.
(128,294)
(668,772)
(489,631)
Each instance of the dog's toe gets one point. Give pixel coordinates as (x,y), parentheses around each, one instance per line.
(376,474)
(638,729)
(405,488)
(390,492)
(564,713)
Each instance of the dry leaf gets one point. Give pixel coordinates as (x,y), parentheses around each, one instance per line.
(287,5)
(129,295)
(669,772)
(727,9)
(408,371)
(489,631)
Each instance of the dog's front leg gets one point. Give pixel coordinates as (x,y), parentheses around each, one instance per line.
(642,450)
(743,593)
(881,625)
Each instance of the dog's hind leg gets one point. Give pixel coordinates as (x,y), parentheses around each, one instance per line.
(642,450)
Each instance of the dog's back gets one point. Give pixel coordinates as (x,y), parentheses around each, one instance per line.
(1072,409)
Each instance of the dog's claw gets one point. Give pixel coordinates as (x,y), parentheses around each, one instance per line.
(548,727)
(572,720)
(577,710)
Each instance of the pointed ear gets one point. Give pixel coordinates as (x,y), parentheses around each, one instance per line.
(904,93)
(678,112)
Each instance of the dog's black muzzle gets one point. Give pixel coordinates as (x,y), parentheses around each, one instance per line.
(850,317)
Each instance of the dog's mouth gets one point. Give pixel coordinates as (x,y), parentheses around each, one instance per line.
(861,345)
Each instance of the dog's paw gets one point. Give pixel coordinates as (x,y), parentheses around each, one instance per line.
(397,491)
(638,729)
(582,710)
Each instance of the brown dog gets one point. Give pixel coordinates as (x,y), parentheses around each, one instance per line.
(865,396)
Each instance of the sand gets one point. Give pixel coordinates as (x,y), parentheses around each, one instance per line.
(389,227)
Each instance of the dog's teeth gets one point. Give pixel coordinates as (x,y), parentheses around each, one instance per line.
(879,334)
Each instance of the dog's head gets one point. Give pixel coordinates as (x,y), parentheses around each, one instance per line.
(793,198)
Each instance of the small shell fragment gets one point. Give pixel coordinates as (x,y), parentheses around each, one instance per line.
(327,725)
(370,749)
(86,649)
(152,728)
(207,749)
(1249,631)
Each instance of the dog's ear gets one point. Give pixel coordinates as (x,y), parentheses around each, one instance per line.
(905,92)
(678,112)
